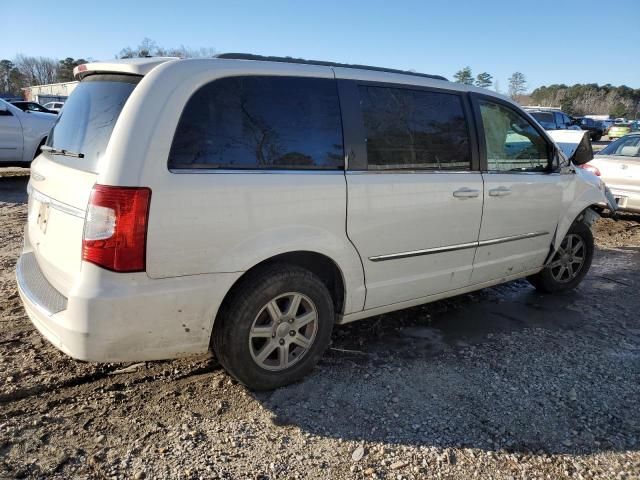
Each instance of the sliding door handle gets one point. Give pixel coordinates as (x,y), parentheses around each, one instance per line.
(500,192)
(466,193)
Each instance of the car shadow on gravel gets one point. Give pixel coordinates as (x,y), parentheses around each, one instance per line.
(13,189)
(503,368)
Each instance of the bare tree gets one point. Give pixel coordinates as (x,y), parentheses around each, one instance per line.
(517,85)
(37,70)
(149,48)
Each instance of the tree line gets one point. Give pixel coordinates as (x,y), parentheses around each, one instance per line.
(584,99)
(580,99)
(577,100)
(24,71)
(517,82)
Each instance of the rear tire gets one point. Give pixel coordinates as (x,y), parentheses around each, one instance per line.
(570,264)
(275,327)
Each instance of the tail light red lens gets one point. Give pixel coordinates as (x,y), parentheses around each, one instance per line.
(115,231)
(591,168)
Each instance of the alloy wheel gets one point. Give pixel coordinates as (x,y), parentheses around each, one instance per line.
(568,261)
(283,331)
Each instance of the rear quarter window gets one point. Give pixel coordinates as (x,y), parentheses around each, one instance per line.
(260,122)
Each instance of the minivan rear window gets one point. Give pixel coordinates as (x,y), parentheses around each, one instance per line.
(260,122)
(85,124)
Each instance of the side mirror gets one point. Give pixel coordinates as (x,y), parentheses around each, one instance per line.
(583,153)
(3,107)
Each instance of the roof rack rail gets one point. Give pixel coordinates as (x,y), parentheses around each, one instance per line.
(250,56)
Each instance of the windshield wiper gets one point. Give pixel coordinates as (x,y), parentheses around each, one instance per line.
(61,151)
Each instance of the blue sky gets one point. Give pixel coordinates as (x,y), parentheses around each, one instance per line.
(577,41)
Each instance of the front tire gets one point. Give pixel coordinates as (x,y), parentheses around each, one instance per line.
(569,264)
(275,327)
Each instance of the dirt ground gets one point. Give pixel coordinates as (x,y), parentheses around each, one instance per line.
(504,383)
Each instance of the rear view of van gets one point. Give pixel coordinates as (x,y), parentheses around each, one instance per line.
(82,275)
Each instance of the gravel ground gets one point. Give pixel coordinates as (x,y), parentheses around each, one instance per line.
(503,383)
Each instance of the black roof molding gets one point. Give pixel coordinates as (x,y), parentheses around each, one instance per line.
(263,58)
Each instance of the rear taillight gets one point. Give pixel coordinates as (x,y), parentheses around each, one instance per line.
(591,168)
(115,231)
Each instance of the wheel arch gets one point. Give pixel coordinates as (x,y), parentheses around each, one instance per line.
(320,264)
(588,214)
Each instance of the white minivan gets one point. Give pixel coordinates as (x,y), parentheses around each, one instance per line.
(246,206)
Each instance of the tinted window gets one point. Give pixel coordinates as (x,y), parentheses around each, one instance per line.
(512,143)
(261,122)
(88,118)
(559,122)
(545,119)
(414,129)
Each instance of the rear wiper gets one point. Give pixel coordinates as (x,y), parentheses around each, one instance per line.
(61,151)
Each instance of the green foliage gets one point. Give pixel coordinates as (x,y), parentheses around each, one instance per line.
(484,80)
(618,110)
(65,68)
(11,79)
(464,76)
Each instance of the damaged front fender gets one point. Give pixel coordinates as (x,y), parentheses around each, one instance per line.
(591,194)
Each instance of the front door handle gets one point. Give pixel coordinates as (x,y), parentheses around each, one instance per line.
(500,192)
(466,193)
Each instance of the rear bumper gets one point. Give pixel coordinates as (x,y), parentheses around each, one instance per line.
(627,201)
(109,317)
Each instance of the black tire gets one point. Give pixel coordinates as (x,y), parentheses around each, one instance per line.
(545,281)
(231,342)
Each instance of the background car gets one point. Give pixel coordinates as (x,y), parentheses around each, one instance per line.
(618,165)
(595,128)
(618,130)
(552,119)
(31,106)
(55,106)
(22,134)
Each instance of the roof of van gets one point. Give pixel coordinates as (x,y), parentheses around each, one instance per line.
(133,66)
(143,65)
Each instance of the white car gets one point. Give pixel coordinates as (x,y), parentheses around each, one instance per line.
(618,165)
(22,134)
(55,106)
(247,206)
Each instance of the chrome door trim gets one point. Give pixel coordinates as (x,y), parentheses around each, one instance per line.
(426,251)
(512,238)
(62,207)
(453,248)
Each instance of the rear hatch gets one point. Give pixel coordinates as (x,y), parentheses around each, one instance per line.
(64,174)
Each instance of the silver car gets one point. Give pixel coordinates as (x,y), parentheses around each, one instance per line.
(618,165)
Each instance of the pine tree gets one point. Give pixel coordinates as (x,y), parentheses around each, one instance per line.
(484,80)
(464,76)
